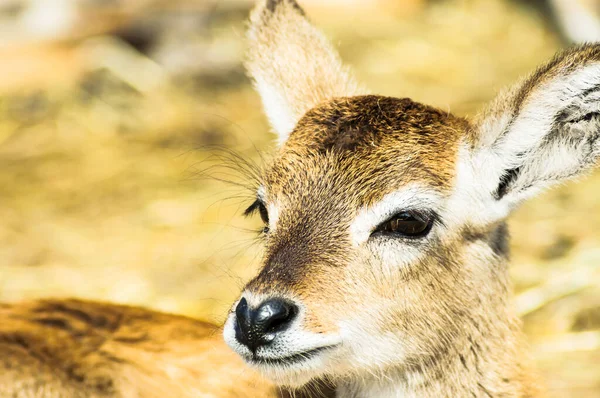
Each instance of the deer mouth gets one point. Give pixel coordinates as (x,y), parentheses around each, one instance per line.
(289,359)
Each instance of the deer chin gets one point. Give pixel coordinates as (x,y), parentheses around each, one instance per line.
(291,371)
(293,358)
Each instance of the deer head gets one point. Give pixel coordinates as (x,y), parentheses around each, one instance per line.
(386,245)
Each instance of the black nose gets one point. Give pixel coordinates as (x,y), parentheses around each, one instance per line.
(255,328)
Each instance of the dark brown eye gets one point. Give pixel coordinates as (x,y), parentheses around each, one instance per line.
(259,206)
(410,224)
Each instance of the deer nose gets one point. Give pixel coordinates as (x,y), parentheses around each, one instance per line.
(258,327)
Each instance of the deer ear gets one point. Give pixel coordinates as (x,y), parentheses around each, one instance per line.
(292,64)
(543,131)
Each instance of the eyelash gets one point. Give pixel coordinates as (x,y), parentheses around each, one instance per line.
(259,206)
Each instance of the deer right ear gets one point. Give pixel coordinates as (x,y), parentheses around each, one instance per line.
(292,64)
(543,131)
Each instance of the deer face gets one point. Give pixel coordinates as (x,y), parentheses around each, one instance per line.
(384,218)
(353,206)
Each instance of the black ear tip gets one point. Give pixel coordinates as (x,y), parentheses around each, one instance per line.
(273,4)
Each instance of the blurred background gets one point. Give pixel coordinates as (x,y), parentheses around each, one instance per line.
(111,110)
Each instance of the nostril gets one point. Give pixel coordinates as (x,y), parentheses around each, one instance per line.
(243,322)
(242,312)
(275,315)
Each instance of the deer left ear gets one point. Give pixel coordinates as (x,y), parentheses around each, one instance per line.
(292,64)
(541,132)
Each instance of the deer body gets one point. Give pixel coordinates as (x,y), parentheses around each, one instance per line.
(74,348)
(386,264)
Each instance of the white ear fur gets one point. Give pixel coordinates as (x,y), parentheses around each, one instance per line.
(543,131)
(292,64)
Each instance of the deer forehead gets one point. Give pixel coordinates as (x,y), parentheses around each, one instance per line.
(350,153)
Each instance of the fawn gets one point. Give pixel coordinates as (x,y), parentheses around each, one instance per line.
(386,245)
(385,273)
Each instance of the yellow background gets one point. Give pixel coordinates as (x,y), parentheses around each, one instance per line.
(107,154)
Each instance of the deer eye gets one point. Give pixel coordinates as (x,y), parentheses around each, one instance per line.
(259,206)
(406,223)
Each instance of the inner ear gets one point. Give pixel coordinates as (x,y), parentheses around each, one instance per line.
(573,131)
(507,179)
(543,131)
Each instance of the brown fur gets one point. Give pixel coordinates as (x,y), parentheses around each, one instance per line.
(73,348)
(343,155)
(346,154)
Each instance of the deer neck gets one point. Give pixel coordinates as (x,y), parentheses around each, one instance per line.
(486,358)
(474,367)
